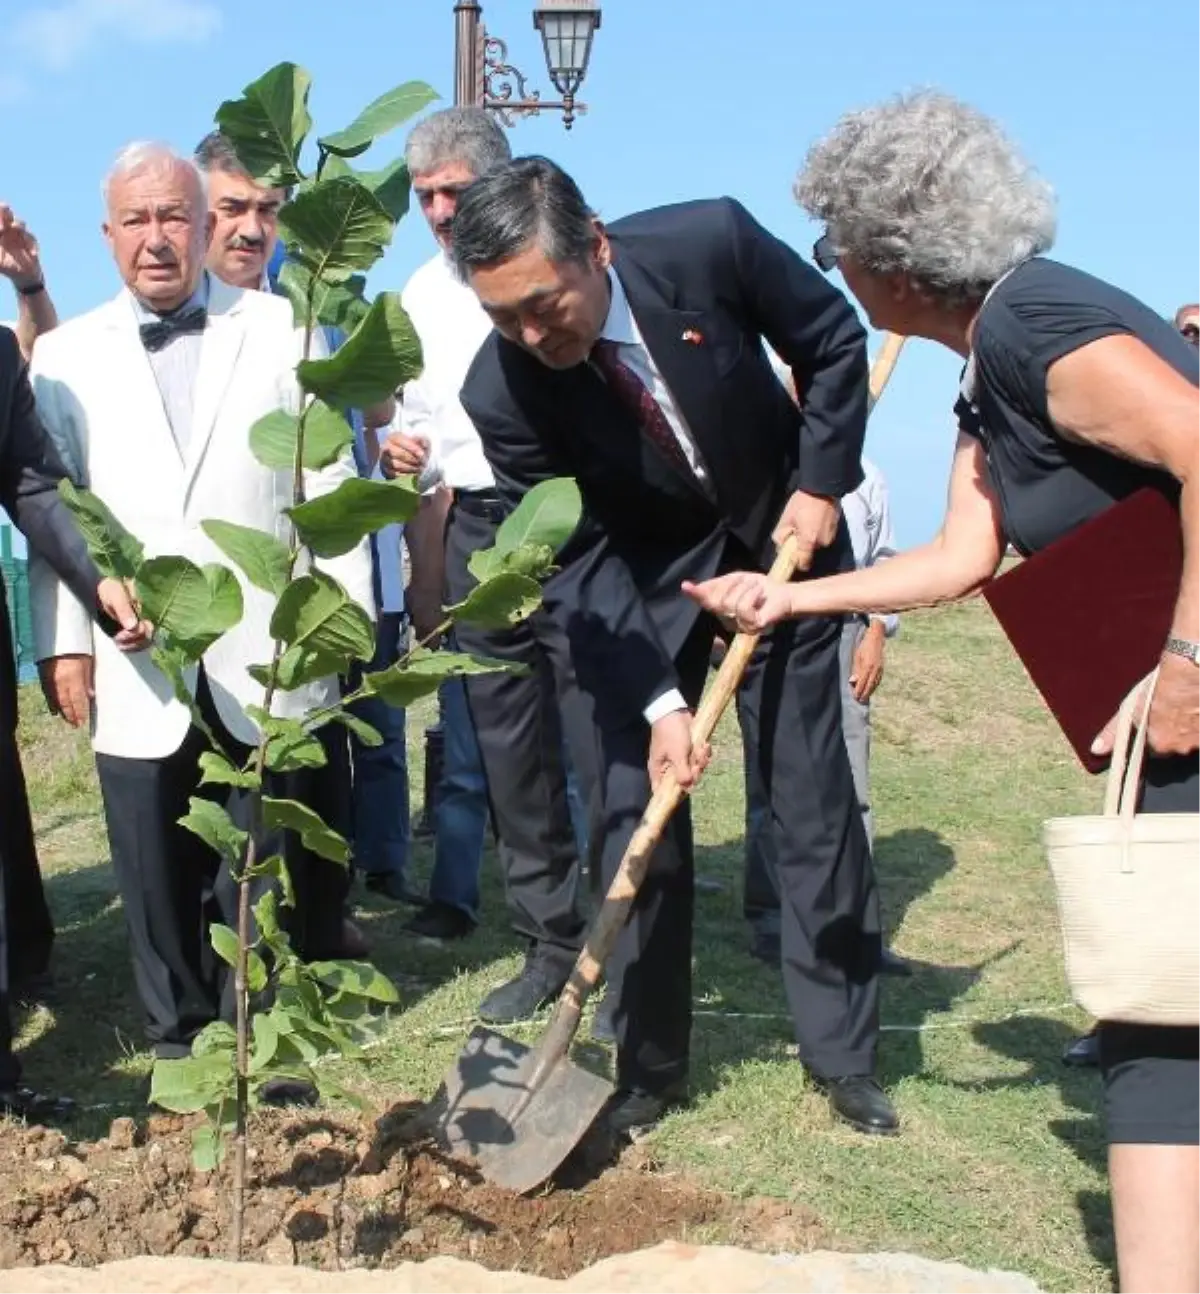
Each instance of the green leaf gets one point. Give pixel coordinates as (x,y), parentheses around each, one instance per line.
(114,550)
(385,113)
(266,916)
(378,358)
(360,979)
(261,558)
(392,184)
(327,436)
(208,1148)
(545,518)
(215,827)
(324,629)
(359,727)
(275,867)
(256,972)
(423,672)
(335,228)
(214,1038)
(192,1083)
(501,601)
(216,770)
(335,522)
(268,125)
(338,304)
(193,604)
(225,944)
(266,1042)
(313,833)
(291,746)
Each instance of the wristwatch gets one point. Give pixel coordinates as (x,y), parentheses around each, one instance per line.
(1182,647)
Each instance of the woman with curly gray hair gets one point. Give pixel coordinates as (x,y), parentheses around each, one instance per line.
(1074,395)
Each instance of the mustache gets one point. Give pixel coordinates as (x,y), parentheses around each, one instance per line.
(240,243)
(444,226)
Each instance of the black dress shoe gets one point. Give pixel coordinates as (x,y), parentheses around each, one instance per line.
(395,887)
(766,946)
(859,1101)
(34,1107)
(892,964)
(522,998)
(440,921)
(632,1111)
(1083,1053)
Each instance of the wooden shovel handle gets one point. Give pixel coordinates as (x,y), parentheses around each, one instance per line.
(663,803)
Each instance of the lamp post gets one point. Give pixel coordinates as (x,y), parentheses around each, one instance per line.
(484,76)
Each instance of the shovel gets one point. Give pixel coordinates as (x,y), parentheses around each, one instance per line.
(519,1111)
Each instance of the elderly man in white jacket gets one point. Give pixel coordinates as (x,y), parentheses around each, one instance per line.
(150,400)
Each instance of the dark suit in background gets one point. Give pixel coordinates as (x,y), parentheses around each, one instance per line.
(30,471)
(706,286)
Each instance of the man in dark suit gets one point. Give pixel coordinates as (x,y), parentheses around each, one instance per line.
(30,471)
(632,358)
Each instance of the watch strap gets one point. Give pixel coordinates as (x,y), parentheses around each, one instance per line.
(1183,647)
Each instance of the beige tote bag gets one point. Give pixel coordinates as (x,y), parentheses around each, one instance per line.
(1129,898)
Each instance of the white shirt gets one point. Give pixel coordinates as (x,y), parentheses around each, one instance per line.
(389,543)
(452,326)
(869,521)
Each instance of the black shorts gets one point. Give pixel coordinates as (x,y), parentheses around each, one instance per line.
(1151,1083)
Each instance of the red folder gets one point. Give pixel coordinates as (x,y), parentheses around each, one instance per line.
(1088,615)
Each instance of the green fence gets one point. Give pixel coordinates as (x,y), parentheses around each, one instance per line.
(16,580)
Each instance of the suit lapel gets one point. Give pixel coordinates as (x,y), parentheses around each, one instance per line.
(676,341)
(219,352)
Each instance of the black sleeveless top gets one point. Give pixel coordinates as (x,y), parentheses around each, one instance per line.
(1048,485)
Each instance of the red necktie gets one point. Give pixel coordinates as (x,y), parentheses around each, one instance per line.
(646,411)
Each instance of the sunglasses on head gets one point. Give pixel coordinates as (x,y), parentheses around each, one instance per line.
(825,254)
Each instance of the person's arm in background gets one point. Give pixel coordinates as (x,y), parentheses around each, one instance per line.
(20,263)
(425,536)
(866,672)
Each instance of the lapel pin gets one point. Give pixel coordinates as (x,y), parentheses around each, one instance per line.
(693,336)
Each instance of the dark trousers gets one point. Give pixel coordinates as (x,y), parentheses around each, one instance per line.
(791,707)
(519,721)
(174,887)
(380,773)
(26,930)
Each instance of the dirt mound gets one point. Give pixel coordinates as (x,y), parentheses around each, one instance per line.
(332,1193)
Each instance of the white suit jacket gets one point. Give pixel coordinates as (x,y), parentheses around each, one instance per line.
(98,397)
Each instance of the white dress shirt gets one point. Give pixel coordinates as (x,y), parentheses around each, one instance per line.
(176,365)
(452,326)
(869,520)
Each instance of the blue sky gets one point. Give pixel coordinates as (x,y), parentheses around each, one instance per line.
(689,98)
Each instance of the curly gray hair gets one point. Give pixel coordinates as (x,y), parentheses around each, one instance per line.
(468,135)
(927,186)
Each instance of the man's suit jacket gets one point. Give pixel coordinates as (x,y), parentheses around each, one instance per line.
(98,397)
(30,470)
(706,285)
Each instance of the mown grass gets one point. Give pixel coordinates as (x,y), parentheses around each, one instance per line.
(1001,1161)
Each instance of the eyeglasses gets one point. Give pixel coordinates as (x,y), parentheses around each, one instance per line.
(825,254)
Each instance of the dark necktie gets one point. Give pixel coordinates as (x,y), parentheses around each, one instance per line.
(156,335)
(647,413)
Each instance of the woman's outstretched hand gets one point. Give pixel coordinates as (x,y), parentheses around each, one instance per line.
(746,601)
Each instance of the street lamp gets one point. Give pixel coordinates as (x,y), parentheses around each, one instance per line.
(484,76)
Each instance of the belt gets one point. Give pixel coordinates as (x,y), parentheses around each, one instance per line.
(480,503)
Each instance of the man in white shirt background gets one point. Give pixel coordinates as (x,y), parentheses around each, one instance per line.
(519,720)
(161,385)
(869,520)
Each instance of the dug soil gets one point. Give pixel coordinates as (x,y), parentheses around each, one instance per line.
(334,1193)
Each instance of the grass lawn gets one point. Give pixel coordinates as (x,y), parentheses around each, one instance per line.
(1001,1162)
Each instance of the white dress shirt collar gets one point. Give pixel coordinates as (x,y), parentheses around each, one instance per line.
(620,325)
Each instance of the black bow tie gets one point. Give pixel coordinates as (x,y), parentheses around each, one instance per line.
(156,335)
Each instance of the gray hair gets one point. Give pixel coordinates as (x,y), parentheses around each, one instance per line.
(927,186)
(148,155)
(215,153)
(467,135)
(531,200)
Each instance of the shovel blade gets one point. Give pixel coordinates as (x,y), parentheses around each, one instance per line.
(472,1111)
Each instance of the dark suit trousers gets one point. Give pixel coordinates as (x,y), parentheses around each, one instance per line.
(173,887)
(791,713)
(519,721)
